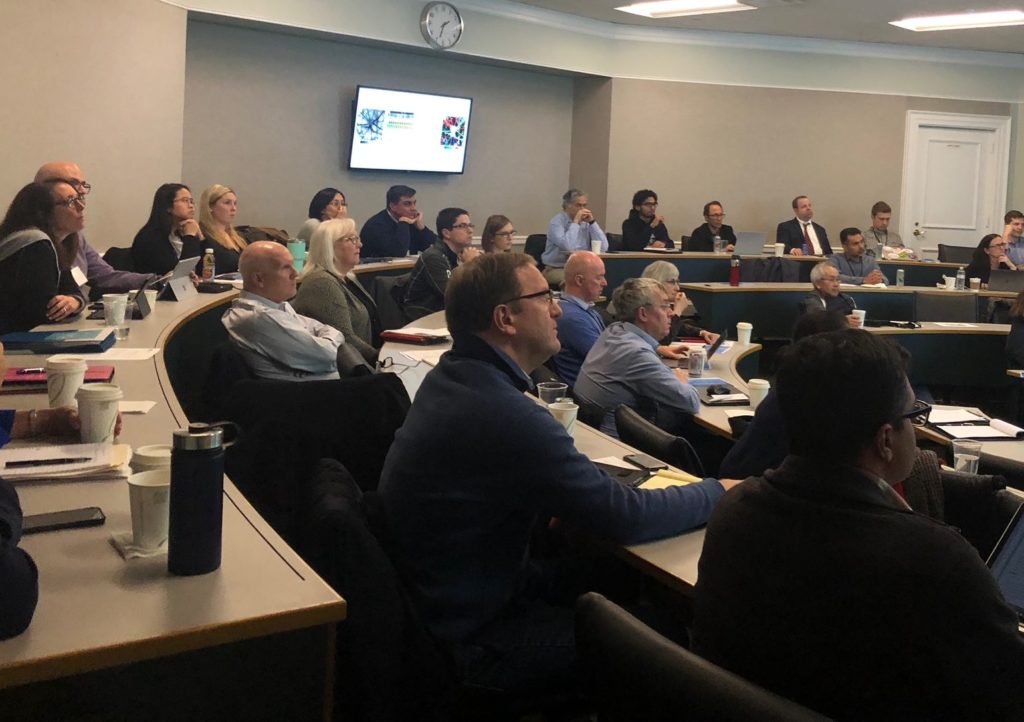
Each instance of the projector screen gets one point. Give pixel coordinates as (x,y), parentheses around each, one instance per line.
(401,130)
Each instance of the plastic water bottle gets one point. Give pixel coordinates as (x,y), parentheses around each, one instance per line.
(899,278)
(717,244)
(209,266)
(961,279)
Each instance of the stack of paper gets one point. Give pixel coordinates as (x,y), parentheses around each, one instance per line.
(67,462)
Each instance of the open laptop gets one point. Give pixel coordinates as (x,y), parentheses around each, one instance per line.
(1007,564)
(1003,279)
(750,243)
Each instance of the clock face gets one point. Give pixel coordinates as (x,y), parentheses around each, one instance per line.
(441,25)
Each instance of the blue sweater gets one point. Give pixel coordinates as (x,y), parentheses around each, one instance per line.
(473,467)
(19,586)
(578,331)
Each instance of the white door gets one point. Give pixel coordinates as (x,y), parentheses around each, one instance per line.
(954,178)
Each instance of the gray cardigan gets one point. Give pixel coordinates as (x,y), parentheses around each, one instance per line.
(323,296)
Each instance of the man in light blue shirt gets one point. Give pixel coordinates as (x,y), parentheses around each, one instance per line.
(623,367)
(854,264)
(580,324)
(571,230)
(276,342)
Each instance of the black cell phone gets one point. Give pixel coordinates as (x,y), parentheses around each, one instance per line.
(70,519)
(645,462)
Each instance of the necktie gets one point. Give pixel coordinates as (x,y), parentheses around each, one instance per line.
(807,238)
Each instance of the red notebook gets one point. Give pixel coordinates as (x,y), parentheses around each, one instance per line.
(17,381)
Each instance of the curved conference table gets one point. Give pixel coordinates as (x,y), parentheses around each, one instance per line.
(263,613)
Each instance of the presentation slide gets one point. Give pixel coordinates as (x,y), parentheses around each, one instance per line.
(401,130)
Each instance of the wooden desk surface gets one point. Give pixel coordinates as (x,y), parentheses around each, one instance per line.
(95,609)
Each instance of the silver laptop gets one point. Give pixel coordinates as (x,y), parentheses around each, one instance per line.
(1003,279)
(750,243)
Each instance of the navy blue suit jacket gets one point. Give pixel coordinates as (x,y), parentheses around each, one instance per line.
(792,234)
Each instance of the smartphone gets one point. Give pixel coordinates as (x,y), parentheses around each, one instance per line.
(54,520)
(645,462)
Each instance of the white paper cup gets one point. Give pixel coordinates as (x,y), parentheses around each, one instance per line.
(565,412)
(114,307)
(148,458)
(975,284)
(149,495)
(595,246)
(860,314)
(950,282)
(151,295)
(780,250)
(97,409)
(966,455)
(550,391)
(743,330)
(64,376)
(757,389)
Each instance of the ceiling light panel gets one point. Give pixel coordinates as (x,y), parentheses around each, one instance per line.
(962,21)
(679,8)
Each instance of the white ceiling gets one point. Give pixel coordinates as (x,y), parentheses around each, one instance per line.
(852,20)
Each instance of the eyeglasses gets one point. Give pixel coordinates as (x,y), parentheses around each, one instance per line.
(460,226)
(81,186)
(505,233)
(338,204)
(650,204)
(552,296)
(187,200)
(918,415)
(716,215)
(349,239)
(70,202)
(998,245)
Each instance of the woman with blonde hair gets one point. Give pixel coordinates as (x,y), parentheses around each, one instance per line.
(329,291)
(217,208)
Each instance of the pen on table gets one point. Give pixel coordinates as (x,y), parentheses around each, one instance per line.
(45,462)
(37,370)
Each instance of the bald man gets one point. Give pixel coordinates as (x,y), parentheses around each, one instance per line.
(90,269)
(276,342)
(580,324)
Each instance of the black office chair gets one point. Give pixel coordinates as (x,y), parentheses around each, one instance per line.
(535,245)
(633,673)
(120,259)
(590,413)
(388,293)
(637,431)
(955,254)
(683,241)
(614,242)
(951,307)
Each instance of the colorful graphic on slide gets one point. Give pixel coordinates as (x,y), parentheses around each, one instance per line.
(453,132)
(369,125)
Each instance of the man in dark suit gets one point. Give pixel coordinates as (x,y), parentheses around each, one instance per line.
(802,232)
(817,580)
(398,229)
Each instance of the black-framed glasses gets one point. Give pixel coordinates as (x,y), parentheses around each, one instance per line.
(552,296)
(70,202)
(506,233)
(918,415)
(460,226)
(81,186)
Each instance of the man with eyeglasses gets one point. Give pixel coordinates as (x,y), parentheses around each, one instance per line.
(624,367)
(572,229)
(817,580)
(89,269)
(424,293)
(645,227)
(702,240)
(826,295)
(477,465)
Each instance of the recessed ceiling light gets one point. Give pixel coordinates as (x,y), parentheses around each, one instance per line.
(677,8)
(961,21)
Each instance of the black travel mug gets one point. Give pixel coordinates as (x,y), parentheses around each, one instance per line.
(197,500)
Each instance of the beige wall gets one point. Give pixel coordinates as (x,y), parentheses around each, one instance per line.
(754,149)
(591,140)
(270,115)
(99,83)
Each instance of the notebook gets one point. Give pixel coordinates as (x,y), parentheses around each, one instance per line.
(1007,564)
(26,380)
(50,342)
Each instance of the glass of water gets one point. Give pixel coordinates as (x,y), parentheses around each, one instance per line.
(966,455)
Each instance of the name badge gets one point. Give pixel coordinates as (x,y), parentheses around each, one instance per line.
(79,275)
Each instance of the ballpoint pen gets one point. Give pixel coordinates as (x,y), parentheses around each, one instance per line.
(23,463)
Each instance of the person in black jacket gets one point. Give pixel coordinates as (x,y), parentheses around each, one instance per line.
(645,227)
(398,229)
(702,240)
(990,254)
(171,233)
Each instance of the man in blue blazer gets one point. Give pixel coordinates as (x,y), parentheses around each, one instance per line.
(803,231)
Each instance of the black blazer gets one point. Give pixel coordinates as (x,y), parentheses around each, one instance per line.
(792,234)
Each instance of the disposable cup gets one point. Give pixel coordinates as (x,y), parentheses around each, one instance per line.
(297,249)
(114,307)
(860,315)
(149,495)
(64,376)
(757,389)
(154,456)
(780,249)
(151,295)
(595,246)
(966,455)
(743,330)
(975,284)
(97,409)
(550,391)
(565,412)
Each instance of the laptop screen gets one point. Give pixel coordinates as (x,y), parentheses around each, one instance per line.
(1007,563)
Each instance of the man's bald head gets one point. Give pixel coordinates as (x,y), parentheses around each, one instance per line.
(584,276)
(59,170)
(267,269)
